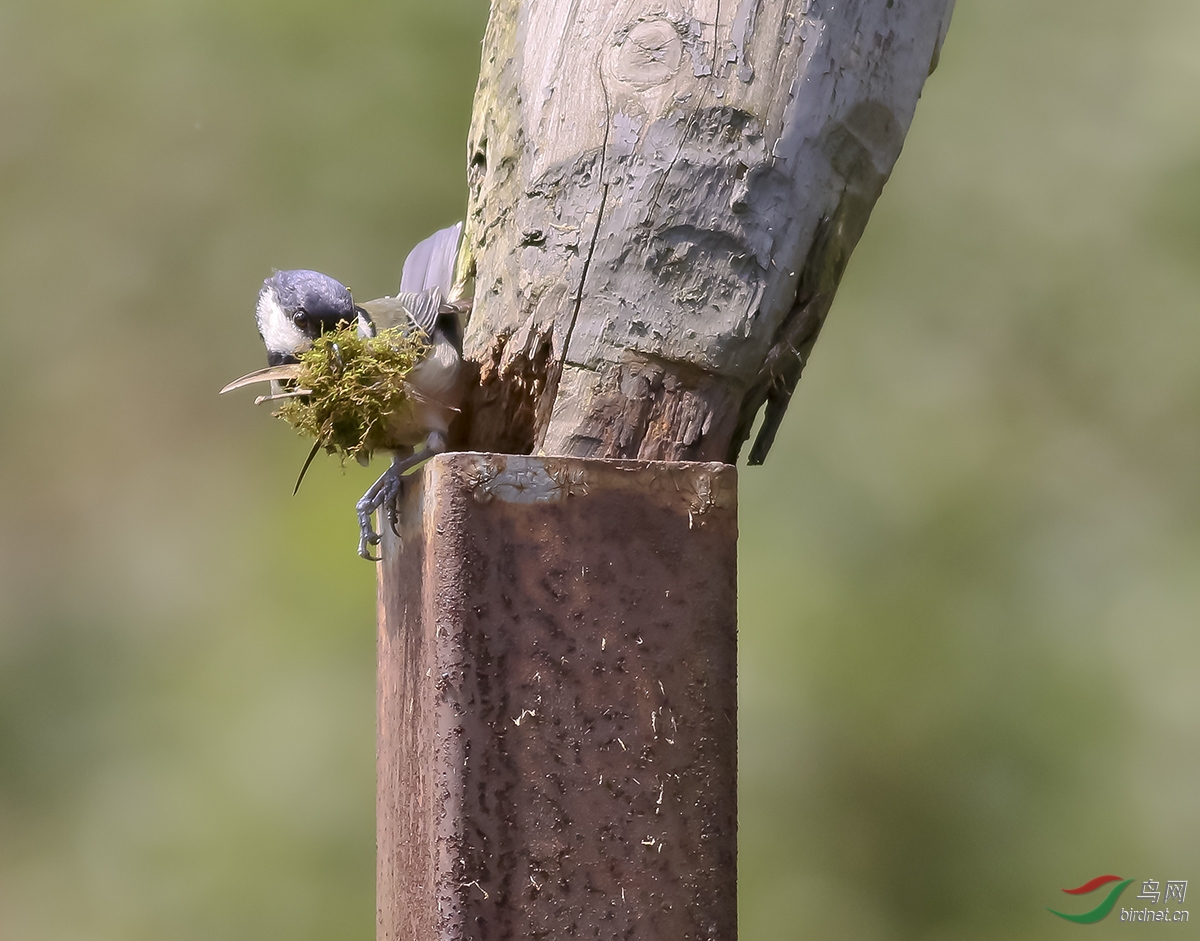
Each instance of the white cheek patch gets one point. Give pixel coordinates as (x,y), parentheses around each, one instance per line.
(279,334)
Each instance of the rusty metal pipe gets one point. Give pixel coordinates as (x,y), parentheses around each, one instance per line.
(557,702)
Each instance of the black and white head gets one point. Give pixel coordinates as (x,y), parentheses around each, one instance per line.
(295,307)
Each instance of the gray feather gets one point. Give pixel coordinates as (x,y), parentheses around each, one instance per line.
(430,265)
(405,311)
(424,285)
(422,308)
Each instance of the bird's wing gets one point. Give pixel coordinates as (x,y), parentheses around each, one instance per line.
(431,264)
(423,308)
(406,310)
(388,312)
(428,275)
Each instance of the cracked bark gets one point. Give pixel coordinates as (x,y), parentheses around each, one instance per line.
(664,195)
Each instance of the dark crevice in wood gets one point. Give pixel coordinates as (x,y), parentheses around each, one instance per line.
(501,411)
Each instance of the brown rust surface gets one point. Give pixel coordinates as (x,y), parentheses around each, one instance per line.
(557,696)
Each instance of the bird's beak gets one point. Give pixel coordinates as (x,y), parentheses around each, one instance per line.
(285,373)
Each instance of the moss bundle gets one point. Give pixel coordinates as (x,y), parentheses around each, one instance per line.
(354,385)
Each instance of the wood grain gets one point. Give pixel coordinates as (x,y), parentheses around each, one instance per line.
(663,197)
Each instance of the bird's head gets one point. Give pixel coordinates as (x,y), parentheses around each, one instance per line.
(295,307)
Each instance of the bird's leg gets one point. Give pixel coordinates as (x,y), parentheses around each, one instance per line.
(385,492)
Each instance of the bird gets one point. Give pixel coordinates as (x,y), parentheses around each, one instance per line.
(295,307)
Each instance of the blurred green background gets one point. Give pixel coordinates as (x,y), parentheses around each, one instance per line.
(970,570)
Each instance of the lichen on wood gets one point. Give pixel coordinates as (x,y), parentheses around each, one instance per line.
(663,198)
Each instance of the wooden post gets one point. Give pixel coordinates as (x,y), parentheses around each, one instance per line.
(663,197)
(557,729)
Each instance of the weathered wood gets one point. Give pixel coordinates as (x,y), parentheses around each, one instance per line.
(663,197)
(557,730)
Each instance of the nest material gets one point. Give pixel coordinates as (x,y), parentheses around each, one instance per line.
(356,384)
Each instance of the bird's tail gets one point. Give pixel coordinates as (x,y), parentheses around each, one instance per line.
(431,264)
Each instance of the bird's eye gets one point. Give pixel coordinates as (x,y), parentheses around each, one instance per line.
(300,318)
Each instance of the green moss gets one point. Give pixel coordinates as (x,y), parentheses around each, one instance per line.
(356,384)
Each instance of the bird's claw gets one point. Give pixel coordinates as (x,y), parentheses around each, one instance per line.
(384,496)
(364,542)
(392,510)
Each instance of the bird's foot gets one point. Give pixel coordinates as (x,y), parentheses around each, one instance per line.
(385,493)
(384,496)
